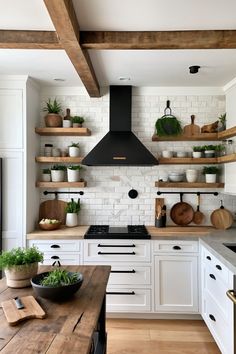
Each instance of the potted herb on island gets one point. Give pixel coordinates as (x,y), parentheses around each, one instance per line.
(72,209)
(73,173)
(20,264)
(58,173)
(210,173)
(53,118)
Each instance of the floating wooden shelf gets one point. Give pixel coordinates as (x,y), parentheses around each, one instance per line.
(188,185)
(67,159)
(227,133)
(187,160)
(201,137)
(63,131)
(61,184)
(227,158)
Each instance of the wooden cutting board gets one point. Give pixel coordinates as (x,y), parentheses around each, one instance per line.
(14,316)
(53,209)
(191,129)
(222,218)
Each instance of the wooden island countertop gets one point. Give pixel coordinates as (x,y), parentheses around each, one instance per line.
(69,327)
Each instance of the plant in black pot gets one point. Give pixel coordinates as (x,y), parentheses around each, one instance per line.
(168,124)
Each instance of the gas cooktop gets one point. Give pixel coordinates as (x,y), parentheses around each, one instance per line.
(116,232)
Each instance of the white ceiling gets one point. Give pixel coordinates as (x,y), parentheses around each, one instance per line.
(145,68)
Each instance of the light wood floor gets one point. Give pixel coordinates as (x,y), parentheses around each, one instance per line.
(159,337)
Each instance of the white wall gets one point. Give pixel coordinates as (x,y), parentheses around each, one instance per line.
(106,197)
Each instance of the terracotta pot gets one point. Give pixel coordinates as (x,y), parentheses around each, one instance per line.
(53,120)
(19,276)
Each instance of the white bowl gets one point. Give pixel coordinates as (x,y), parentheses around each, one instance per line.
(176,177)
(181,154)
(167,154)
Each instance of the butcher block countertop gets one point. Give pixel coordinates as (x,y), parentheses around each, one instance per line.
(78,232)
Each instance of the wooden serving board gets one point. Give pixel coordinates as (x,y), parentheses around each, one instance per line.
(191,129)
(222,219)
(14,316)
(53,209)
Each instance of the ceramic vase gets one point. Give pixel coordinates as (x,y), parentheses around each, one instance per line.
(210,178)
(71,219)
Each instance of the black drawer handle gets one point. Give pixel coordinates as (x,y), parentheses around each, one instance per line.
(212,276)
(56,263)
(102,245)
(55,257)
(208,257)
(123,271)
(176,248)
(212,318)
(117,253)
(55,246)
(120,293)
(218,267)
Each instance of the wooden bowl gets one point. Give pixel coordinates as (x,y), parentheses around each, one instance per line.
(50,227)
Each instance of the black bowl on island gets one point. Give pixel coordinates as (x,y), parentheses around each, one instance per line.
(56,293)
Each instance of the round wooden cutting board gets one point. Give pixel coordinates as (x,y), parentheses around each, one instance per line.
(182,213)
(222,218)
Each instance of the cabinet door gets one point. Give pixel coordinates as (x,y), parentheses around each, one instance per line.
(11,122)
(176,284)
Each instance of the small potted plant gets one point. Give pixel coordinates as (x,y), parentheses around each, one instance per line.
(53,118)
(74,149)
(210,173)
(222,119)
(209,151)
(20,264)
(58,173)
(46,175)
(73,173)
(72,209)
(77,121)
(197,151)
(219,150)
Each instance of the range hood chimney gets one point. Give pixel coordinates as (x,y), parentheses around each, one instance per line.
(120,147)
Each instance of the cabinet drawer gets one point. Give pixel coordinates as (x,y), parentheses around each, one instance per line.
(217,267)
(56,245)
(175,246)
(128,300)
(63,258)
(118,251)
(221,330)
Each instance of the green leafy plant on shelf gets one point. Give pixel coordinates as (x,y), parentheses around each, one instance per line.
(198,148)
(211,170)
(74,145)
(46,171)
(58,168)
(59,277)
(222,119)
(166,126)
(75,167)
(73,207)
(77,119)
(18,257)
(52,107)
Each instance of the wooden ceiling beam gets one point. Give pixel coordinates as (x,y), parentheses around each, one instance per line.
(14,39)
(206,39)
(65,22)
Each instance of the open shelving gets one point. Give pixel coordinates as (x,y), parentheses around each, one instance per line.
(51,159)
(63,131)
(188,185)
(81,184)
(197,161)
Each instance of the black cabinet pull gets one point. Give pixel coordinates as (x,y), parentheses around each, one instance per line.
(56,263)
(55,257)
(117,253)
(212,318)
(212,276)
(176,248)
(55,246)
(208,257)
(102,245)
(120,293)
(123,271)
(218,267)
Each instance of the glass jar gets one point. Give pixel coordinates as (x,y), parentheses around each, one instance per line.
(230,147)
(48,149)
(224,147)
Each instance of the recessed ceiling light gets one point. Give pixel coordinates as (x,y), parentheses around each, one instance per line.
(194,69)
(58,79)
(124,78)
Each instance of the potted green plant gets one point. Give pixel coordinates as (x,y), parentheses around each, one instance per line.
(72,209)
(219,150)
(197,151)
(77,121)
(73,173)
(74,149)
(168,124)
(53,118)
(210,173)
(46,175)
(58,173)
(20,264)
(209,151)
(222,119)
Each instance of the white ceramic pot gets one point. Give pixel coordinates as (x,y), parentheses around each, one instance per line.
(71,219)
(167,154)
(197,154)
(181,154)
(46,177)
(209,153)
(210,178)
(57,175)
(76,125)
(73,175)
(73,151)
(66,123)
(191,175)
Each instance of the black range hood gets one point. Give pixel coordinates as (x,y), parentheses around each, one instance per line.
(120,146)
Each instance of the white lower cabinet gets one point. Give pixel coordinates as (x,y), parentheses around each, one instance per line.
(176,276)
(217,309)
(128,299)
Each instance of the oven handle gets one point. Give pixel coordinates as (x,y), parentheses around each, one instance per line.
(231,296)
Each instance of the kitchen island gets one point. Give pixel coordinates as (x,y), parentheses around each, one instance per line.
(76,325)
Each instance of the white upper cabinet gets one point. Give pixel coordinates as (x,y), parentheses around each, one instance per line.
(11,122)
